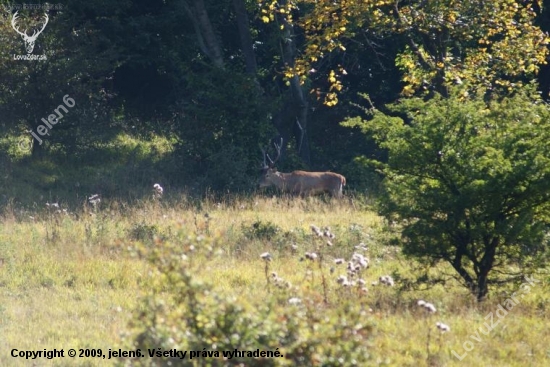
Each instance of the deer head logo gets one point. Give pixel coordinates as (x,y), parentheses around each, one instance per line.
(29,40)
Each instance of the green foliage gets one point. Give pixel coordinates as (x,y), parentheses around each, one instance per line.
(220,145)
(143,232)
(362,176)
(468,182)
(487,43)
(261,230)
(179,311)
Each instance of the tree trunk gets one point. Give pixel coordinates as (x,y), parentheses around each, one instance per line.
(37,149)
(485,266)
(298,100)
(246,38)
(482,287)
(206,37)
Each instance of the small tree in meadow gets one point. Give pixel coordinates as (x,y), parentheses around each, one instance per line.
(469,181)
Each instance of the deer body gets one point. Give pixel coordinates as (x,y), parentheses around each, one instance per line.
(301,183)
(305,183)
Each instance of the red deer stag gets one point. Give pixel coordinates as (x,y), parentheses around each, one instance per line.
(300,182)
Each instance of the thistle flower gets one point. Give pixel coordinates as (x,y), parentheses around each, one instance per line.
(311,256)
(316,230)
(430,308)
(342,279)
(357,262)
(266,256)
(361,247)
(294,301)
(387,280)
(158,190)
(443,327)
(94,199)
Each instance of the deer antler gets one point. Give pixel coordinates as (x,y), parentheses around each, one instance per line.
(266,155)
(264,164)
(44,26)
(278,149)
(14,24)
(24,34)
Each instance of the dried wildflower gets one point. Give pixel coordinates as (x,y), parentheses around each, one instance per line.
(266,256)
(387,280)
(361,247)
(361,281)
(426,305)
(311,256)
(316,230)
(52,205)
(430,308)
(360,260)
(94,199)
(329,243)
(158,190)
(295,301)
(443,327)
(342,279)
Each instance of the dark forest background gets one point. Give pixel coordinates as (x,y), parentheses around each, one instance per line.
(184,93)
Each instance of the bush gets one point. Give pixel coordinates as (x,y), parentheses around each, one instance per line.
(468,181)
(180,312)
(261,230)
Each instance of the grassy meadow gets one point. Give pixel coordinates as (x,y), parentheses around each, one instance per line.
(72,279)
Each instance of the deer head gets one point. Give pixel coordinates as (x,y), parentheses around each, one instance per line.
(272,162)
(29,40)
(268,169)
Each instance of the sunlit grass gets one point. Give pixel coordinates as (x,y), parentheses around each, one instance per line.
(68,281)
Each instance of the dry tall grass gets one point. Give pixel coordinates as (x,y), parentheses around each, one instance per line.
(68,281)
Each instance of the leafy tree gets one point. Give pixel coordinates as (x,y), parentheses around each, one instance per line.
(468,181)
(78,60)
(489,43)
